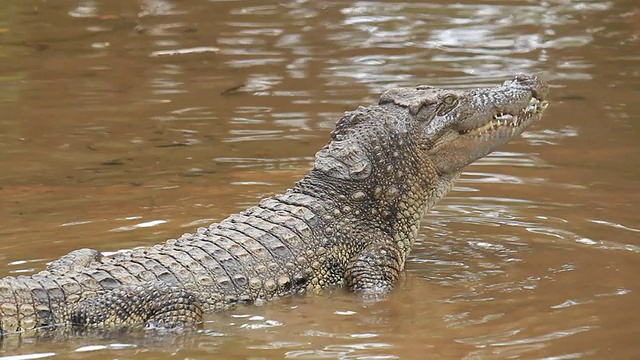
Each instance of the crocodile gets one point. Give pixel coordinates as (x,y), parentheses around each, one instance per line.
(350,222)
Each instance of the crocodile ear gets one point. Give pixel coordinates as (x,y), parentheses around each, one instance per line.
(343,159)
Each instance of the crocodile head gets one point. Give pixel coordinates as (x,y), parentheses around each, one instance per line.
(455,127)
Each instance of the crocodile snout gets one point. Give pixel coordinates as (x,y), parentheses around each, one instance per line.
(539,88)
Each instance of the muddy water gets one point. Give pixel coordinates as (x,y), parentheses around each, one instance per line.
(124,123)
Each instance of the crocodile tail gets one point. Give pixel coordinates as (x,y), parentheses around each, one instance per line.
(24,305)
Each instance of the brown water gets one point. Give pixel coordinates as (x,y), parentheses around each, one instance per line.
(124,123)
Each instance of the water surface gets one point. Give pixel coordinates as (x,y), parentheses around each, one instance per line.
(125,123)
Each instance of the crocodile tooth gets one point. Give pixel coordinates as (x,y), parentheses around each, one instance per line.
(504,117)
(533,106)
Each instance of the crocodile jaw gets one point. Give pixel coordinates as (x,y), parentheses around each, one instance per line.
(512,124)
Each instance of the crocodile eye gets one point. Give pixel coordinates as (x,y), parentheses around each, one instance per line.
(448,103)
(450,100)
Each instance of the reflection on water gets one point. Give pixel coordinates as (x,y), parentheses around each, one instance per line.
(124,123)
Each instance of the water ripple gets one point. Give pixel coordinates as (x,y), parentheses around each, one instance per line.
(613,225)
(28,356)
(498,343)
(546,337)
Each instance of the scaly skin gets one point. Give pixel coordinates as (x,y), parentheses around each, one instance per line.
(350,222)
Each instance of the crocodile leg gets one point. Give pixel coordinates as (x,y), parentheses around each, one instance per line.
(375,269)
(152,304)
